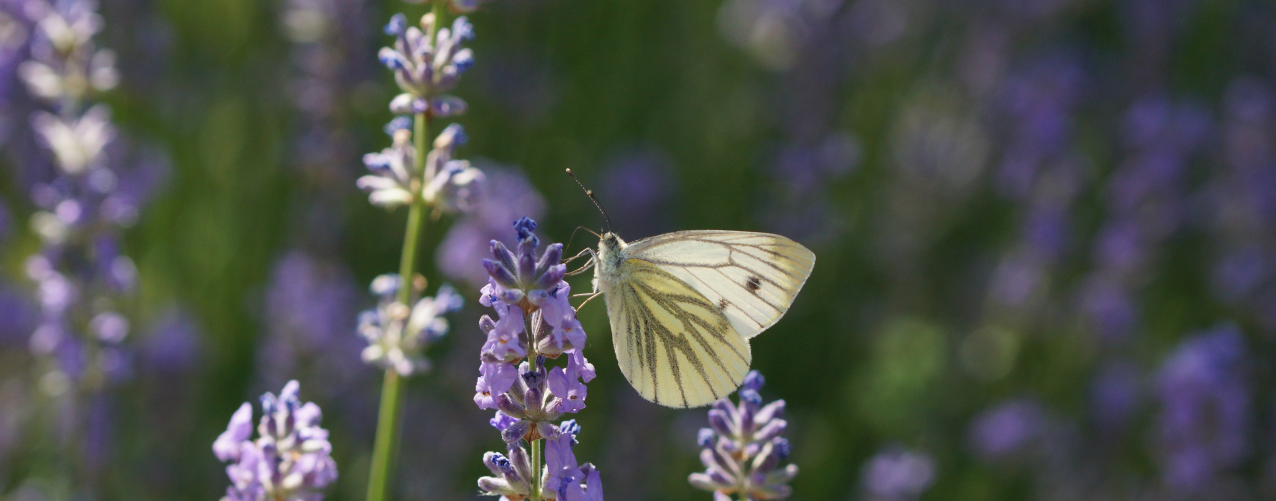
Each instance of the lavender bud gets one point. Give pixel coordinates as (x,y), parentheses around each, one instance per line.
(705,437)
(706,482)
(522,464)
(490,460)
(718,420)
(516,431)
(510,407)
(500,274)
(770,411)
(771,430)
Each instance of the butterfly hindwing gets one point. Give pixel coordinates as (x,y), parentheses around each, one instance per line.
(674,345)
(751,277)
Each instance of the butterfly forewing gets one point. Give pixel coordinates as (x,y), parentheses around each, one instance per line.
(674,345)
(752,278)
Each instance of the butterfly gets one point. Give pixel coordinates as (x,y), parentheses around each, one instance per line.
(684,305)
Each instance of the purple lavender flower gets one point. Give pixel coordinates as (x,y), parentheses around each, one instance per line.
(398,336)
(643,185)
(743,448)
(898,474)
(174,344)
(394,181)
(19,316)
(506,196)
(521,287)
(1007,429)
(80,271)
(290,459)
(561,478)
(310,313)
(462,5)
(1115,395)
(65,65)
(426,69)
(524,288)
(1204,426)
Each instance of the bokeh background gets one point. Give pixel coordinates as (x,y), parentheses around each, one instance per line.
(1045,232)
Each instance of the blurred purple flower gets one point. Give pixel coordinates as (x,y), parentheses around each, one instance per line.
(898,474)
(507,195)
(310,300)
(1007,429)
(1038,102)
(1204,425)
(640,188)
(1241,272)
(174,345)
(520,82)
(802,174)
(309,315)
(19,317)
(1115,393)
(1110,309)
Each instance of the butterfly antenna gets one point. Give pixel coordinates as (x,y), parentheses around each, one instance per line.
(577,230)
(590,193)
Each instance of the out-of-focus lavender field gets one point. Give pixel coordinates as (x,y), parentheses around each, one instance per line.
(1045,229)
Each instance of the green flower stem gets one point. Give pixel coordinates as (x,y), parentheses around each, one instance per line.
(536,470)
(388,422)
(387,429)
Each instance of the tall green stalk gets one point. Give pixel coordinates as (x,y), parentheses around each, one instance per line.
(388,422)
(536,470)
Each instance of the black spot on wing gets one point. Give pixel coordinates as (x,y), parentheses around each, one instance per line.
(723,304)
(753,284)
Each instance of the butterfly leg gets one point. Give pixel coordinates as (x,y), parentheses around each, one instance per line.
(588,264)
(591,295)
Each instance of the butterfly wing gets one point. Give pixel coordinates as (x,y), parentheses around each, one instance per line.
(672,343)
(751,277)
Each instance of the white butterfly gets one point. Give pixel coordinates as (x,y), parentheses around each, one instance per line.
(684,305)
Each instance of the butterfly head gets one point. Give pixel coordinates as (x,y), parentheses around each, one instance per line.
(610,242)
(611,254)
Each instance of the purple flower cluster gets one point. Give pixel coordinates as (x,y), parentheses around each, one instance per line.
(1243,199)
(562,478)
(898,474)
(80,272)
(743,448)
(453,185)
(426,69)
(535,322)
(1007,429)
(1204,425)
(523,288)
(290,459)
(398,335)
(507,194)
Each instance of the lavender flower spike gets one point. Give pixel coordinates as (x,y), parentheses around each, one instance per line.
(514,380)
(392,180)
(398,336)
(289,461)
(527,287)
(425,69)
(743,448)
(561,479)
